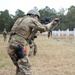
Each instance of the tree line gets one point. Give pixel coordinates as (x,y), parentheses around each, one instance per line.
(47,14)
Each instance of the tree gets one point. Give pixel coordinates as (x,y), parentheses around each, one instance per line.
(61,14)
(71,17)
(19,13)
(47,12)
(5,20)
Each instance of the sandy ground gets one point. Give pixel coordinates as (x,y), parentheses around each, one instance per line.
(54,57)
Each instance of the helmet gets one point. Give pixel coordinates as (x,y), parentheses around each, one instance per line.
(34,12)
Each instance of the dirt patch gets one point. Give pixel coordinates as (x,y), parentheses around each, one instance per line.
(53,57)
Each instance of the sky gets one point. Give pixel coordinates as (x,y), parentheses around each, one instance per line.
(26,5)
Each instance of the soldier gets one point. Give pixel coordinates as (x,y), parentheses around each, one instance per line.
(33,46)
(23,30)
(5,34)
(49,33)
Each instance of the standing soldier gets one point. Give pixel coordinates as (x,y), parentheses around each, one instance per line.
(49,33)
(32,45)
(5,34)
(23,30)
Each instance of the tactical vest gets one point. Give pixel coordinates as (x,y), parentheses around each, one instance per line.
(22,27)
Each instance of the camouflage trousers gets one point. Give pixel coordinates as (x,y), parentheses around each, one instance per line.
(23,66)
(5,37)
(33,49)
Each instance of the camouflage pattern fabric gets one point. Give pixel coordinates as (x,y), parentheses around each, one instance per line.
(5,34)
(26,27)
(33,48)
(32,45)
(20,34)
(23,66)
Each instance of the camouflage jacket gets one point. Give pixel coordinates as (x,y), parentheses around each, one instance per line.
(27,27)
(4,32)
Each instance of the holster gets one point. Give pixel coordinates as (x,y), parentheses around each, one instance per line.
(19,51)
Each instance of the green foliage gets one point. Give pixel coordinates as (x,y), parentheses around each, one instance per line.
(47,12)
(67,20)
(18,14)
(71,17)
(5,20)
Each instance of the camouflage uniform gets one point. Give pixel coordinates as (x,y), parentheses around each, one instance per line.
(49,34)
(23,29)
(5,34)
(33,46)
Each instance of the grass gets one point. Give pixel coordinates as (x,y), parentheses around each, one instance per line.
(54,57)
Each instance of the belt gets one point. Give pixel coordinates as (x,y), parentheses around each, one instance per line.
(18,35)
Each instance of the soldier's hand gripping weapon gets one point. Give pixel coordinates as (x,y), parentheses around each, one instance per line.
(54,23)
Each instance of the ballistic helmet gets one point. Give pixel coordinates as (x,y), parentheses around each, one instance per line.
(33,12)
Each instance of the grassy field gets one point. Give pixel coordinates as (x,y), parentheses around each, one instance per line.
(54,57)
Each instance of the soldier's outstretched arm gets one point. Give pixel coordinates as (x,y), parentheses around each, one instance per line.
(43,28)
(52,24)
(37,26)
